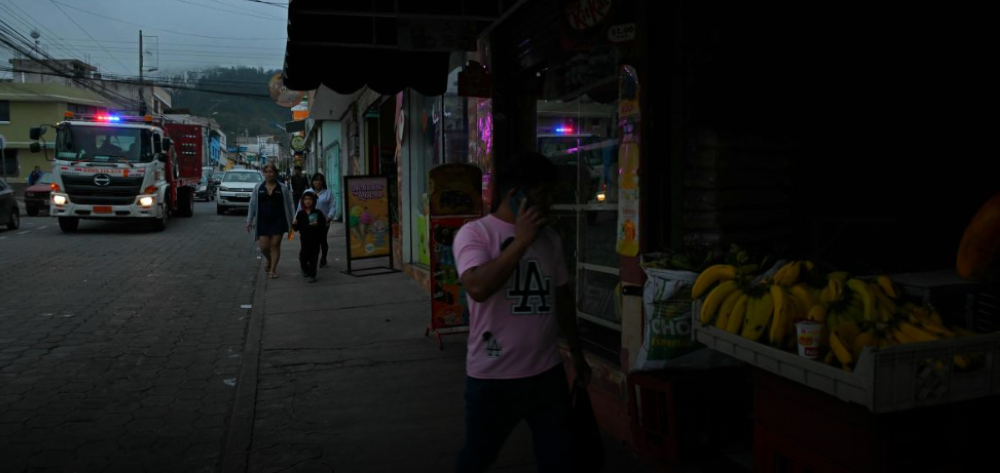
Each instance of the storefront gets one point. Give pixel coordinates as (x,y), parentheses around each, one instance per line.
(685,126)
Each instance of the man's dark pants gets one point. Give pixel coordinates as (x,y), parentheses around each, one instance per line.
(493,407)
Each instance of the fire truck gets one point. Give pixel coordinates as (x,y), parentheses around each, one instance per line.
(112,167)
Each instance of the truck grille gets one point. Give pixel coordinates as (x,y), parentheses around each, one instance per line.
(120,191)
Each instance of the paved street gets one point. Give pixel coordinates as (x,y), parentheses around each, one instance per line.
(123,350)
(120,348)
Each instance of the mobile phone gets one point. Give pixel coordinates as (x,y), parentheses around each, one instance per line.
(515,201)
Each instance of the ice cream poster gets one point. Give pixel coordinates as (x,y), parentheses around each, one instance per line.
(368,224)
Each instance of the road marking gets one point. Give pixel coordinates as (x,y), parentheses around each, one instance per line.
(43,228)
(22,233)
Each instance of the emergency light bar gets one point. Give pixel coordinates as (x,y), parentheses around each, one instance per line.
(107,118)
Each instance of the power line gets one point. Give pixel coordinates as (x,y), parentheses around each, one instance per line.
(56,44)
(9,37)
(263,17)
(165,30)
(162,85)
(124,67)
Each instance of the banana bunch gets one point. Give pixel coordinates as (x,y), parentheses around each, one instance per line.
(855,313)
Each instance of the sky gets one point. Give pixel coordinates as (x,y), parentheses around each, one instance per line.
(179,35)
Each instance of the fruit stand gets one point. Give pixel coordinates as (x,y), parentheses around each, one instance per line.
(847,366)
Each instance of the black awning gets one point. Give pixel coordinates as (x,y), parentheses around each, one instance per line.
(388,45)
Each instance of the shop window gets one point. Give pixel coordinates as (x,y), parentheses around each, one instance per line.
(580,136)
(10,166)
(423,136)
(84,109)
(4,111)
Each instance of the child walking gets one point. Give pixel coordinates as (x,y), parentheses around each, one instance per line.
(311,225)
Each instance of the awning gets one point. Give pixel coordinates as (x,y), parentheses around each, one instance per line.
(388,45)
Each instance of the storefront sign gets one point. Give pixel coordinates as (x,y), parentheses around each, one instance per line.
(367,203)
(298,143)
(628,158)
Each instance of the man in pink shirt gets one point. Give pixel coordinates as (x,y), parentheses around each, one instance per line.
(513,269)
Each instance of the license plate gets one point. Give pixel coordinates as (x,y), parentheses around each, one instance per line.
(243,194)
(102,209)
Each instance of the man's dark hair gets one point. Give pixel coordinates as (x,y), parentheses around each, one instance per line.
(298,168)
(528,170)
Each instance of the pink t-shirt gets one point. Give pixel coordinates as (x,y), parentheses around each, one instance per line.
(513,334)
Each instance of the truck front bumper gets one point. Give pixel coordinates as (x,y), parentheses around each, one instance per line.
(66,208)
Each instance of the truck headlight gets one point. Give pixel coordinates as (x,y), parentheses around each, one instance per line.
(59,199)
(146,201)
(224,188)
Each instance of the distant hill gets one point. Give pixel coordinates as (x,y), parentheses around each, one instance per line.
(236,115)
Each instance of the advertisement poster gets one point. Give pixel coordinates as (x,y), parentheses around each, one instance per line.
(455,195)
(455,189)
(367,203)
(628,158)
(449,306)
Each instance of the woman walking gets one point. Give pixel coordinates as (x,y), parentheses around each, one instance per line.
(271,214)
(325,204)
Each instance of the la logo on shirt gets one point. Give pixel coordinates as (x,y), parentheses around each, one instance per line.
(531,290)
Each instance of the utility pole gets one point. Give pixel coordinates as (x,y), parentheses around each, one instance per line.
(142,96)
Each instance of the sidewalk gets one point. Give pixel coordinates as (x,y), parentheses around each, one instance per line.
(347,382)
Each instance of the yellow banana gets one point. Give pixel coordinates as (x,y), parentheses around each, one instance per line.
(779,324)
(710,276)
(809,265)
(865,339)
(817,313)
(715,299)
(839,347)
(902,337)
(887,286)
(759,312)
(722,318)
(883,300)
(788,274)
(803,297)
(916,333)
(829,357)
(841,276)
(933,328)
(737,315)
(860,288)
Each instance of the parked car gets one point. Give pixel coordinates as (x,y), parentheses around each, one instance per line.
(36,197)
(9,213)
(207,187)
(235,189)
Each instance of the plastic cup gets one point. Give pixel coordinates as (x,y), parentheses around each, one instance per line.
(808,332)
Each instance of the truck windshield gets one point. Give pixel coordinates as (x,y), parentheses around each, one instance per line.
(103,144)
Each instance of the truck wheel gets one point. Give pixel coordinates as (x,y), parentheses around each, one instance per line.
(160,224)
(32,210)
(185,202)
(69,224)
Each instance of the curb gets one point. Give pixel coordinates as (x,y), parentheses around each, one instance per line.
(239,432)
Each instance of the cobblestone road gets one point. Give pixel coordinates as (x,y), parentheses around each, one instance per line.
(120,348)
